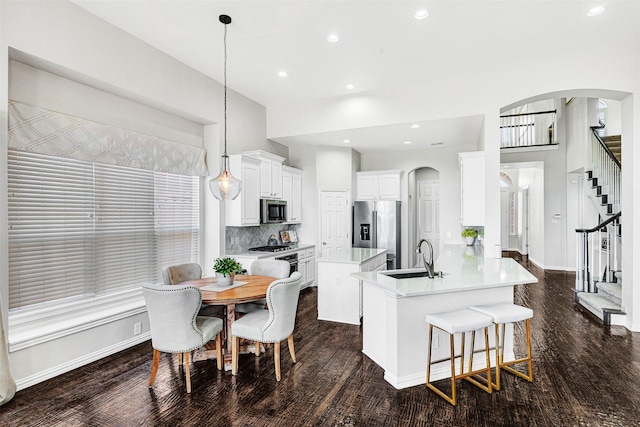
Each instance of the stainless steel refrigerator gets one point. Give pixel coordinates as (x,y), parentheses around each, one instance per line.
(377,225)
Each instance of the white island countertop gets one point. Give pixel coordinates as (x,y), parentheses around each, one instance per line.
(353,255)
(465,269)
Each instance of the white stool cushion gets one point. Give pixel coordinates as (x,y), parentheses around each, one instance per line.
(504,312)
(459,321)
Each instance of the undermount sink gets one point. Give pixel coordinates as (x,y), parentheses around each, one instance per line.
(407,275)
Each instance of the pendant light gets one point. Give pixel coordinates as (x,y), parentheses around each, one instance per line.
(225,186)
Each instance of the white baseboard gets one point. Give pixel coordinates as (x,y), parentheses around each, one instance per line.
(81,361)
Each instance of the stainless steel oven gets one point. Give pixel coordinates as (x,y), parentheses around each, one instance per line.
(292,259)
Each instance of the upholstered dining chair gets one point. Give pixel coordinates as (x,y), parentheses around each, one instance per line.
(176,274)
(273,325)
(176,326)
(277,269)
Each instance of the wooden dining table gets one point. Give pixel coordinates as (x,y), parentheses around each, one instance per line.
(254,289)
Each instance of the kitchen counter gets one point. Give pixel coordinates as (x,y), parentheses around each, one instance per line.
(339,293)
(465,268)
(257,255)
(353,256)
(394,331)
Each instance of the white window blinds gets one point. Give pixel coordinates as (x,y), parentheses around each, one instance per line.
(79,229)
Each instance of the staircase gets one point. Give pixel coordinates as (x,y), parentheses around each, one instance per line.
(614,143)
(598,278)
(606,302)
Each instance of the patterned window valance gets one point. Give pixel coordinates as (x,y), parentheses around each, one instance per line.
(43,131)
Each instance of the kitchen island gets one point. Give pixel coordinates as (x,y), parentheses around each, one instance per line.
(340,294)
(394,329)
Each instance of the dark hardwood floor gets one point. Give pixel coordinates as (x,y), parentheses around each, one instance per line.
(585,375)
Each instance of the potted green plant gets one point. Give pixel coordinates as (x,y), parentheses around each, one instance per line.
(226,269)
(469,235)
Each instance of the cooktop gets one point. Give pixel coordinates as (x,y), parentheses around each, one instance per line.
(273,248)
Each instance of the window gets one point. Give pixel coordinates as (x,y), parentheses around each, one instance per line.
(602,116)
(80,229)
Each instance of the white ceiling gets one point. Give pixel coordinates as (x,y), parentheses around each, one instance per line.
(381,46)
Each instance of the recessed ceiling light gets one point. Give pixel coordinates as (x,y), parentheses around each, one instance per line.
(332,38)
(595,11)
(282,74)
(346,141)
(350,87)
(407,142)
(422,14)
(416,126)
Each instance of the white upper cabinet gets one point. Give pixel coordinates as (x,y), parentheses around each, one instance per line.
(270,174)
(245,209)
(379,185)
(472,188)
(292,193)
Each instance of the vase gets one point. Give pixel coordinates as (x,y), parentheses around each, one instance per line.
(225,280)
(469,240)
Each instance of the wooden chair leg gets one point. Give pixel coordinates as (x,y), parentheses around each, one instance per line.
(187,371)
(234,354)
(179,359)
(154,366)
(219,352)
(256,350)
(292,350)
(276,356)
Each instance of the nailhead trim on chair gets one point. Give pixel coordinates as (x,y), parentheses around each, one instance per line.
(174,288)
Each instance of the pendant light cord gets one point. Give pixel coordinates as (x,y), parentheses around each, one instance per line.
(225,90)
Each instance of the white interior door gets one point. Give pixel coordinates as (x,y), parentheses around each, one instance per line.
(335,223)
(504,219)
(525,222)
(429,213)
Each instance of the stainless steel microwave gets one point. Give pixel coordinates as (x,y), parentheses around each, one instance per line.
(273,211)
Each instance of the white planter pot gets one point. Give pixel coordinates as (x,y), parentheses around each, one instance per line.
(469,240)
(225,280)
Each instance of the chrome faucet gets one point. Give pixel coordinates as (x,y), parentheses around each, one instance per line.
(428,265)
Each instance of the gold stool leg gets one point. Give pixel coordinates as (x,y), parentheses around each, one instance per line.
(451,399)
(474,377)
(506,365)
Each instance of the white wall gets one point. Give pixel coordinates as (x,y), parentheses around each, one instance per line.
(613,119)
(66,40)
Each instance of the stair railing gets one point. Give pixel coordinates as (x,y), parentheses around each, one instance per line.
(528,129)
(595,251)
(606,169)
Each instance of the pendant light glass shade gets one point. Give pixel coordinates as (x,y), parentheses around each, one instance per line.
(225,186)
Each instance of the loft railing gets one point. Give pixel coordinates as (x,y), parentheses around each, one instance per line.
(597,252)
(528,129)
(606,170)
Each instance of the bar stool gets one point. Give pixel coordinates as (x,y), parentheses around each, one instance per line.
(460,321)
(502,314)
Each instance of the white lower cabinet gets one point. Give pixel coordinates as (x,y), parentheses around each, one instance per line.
(340,294)
(307,267)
